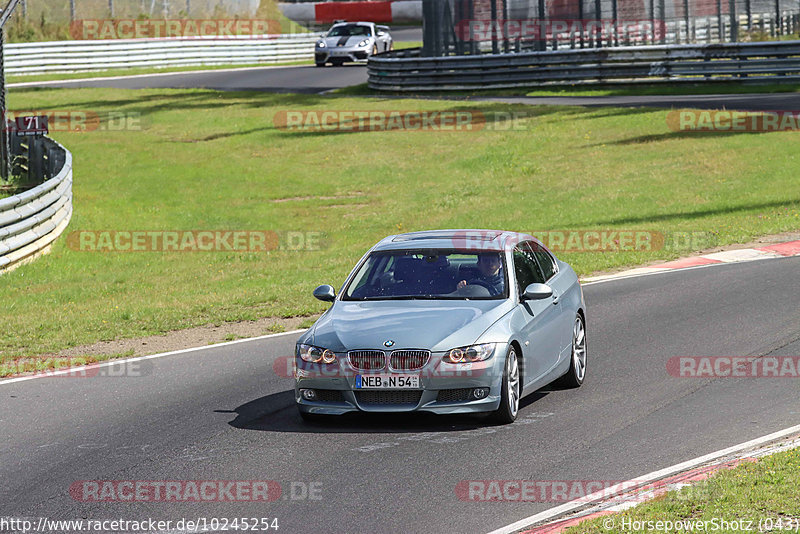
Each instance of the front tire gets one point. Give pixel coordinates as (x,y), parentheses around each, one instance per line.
(577,365)
(319,64)
(509,397)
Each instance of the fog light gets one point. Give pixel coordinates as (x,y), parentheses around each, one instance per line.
(480,393)
(308,394)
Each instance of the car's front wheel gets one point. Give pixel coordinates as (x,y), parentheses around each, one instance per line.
(577,366)
(510,391)
(320,64)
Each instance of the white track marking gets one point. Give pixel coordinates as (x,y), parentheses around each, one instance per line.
(645,479)
(107,363)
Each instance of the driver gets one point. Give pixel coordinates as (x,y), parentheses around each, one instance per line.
(489,274)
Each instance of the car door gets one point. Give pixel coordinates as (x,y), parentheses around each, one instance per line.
(560,285)
(536,320)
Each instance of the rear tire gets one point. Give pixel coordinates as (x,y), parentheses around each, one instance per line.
(510,392)
(577,365)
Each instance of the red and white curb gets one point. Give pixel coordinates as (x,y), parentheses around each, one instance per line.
(652,485)
(328,12)
(779,250)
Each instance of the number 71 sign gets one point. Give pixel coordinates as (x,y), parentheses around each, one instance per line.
(30,125)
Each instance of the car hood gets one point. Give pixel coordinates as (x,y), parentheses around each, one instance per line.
(422,324)
(346,41)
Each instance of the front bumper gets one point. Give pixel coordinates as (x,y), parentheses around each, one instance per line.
(444,388)
(341,53)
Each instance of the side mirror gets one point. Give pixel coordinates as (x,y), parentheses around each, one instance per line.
(325,293)
(537,292)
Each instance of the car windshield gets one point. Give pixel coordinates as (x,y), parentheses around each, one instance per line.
(429,274)
(349,29)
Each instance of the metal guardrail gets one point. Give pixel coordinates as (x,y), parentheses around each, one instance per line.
(76,56)
(31,221)
(405,70)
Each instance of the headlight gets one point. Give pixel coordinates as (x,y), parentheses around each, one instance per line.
(473,353)
(365,42)
(313,354)
(321,44)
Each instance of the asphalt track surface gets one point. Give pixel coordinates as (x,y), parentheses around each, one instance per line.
(303,79)
(312,80)
(223,413)
(295,79)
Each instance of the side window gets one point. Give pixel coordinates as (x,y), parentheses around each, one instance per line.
(544,259)
(525,268)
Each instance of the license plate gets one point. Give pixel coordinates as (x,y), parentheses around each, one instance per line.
(387,381)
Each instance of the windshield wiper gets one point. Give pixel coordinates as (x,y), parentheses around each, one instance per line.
(402,297)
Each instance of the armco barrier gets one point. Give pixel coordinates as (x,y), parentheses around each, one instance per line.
(71,56)
(31,221)
(405,70)
(383,12)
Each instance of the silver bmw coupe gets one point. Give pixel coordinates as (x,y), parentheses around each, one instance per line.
(444,321)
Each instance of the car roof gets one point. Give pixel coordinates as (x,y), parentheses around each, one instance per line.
(353,23)
(463,239)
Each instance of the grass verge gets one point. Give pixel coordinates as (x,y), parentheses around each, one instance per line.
(763,493)
(207,160)
(641,89)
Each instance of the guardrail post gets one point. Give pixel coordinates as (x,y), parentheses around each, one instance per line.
(542,44)
(598,15)
(5,154)
(493,10)
(35,160)
(614,16)
(686,20)
(653,21)
(734,21)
